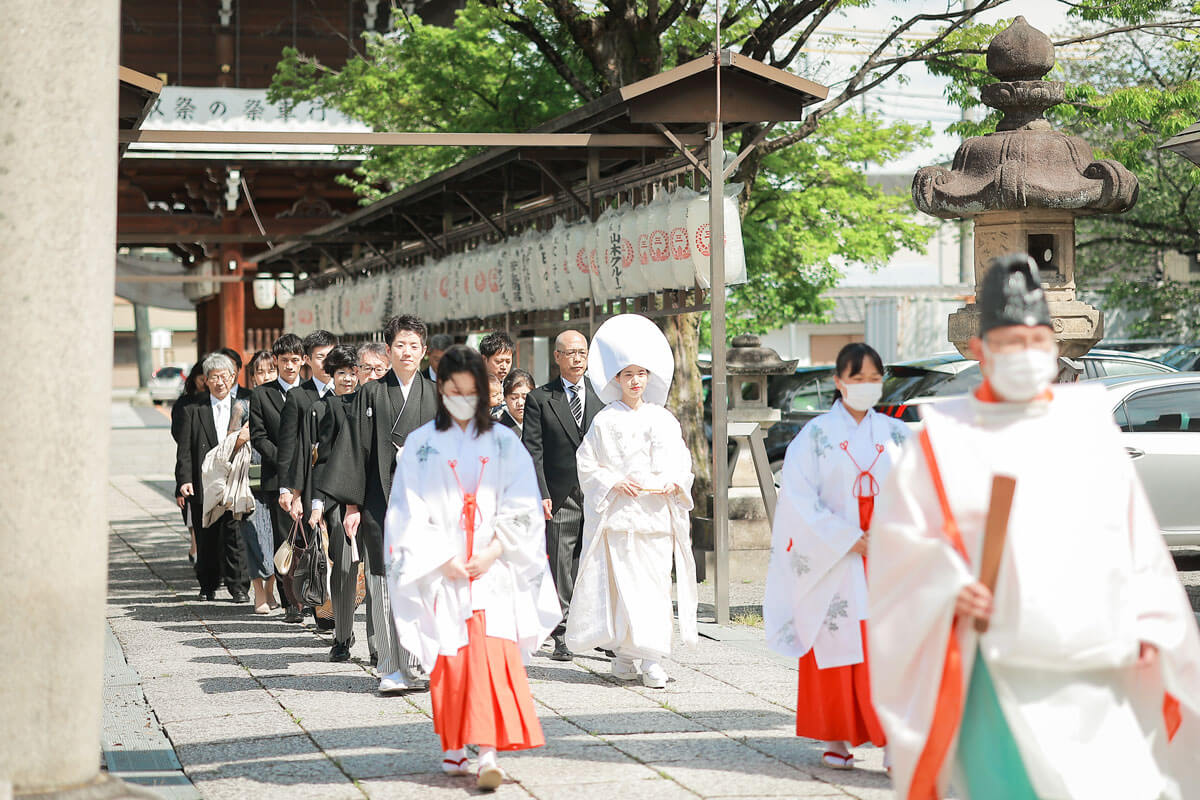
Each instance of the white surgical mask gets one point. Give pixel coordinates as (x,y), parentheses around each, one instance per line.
(461,406)
(1022,375)
(862,396)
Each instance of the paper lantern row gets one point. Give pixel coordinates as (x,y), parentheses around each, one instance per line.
(665,244)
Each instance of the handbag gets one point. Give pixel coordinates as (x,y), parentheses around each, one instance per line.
(284,555)
(308,579)
(255,480)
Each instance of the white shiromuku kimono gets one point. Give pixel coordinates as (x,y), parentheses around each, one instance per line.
(1085,577)
(622,598)
(424,529)
(816,593)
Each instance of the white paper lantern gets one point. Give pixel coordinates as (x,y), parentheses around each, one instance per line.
(632,273)
(683,270)
(264,293)
(658,240)
(700,235)
(285,290)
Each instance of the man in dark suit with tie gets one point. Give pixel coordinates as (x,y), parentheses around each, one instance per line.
(359,475)
(557,415)
(266,407)
(219,548)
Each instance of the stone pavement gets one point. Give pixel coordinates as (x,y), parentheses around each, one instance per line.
(254,708)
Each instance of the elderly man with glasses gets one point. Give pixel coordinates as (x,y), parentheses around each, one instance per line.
(557,415)
(220,553)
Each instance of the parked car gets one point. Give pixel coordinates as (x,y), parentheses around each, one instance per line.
(909,384)
(1185,357)
(1159,417)
(166,384)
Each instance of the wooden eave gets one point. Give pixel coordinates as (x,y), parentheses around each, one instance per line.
(497,180)
(136,95)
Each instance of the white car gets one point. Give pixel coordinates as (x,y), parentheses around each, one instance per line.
(166,384)
(1160,423)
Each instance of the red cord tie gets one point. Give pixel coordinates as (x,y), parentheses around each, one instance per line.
(471,515)
(865,486)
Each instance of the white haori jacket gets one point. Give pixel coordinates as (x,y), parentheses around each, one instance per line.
(424,529)
(225,472)
(816,592)
(1085,577)
(646,445)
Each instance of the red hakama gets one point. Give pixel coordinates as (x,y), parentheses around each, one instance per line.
(481,695)
(834,704)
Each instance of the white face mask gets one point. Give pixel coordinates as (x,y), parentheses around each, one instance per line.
(1021,375)
(461,406)
(861,396)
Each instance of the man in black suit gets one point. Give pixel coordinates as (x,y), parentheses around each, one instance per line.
(219,547)
(266,407)
(557,416)
(295,408)
(359,475)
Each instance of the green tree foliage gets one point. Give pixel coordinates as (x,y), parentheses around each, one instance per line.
(478,76)
(813,209)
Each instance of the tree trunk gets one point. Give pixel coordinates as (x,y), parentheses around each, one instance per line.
(687,399)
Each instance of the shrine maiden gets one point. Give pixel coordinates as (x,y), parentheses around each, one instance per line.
(816,597)
(1086,683)
(636,475)
(469,582)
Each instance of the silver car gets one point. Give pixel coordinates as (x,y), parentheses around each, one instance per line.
(1159,418)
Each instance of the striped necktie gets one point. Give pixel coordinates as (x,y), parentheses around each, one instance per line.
(576,407)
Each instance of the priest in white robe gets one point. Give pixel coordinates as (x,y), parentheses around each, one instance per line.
(469,582)
(635,472)
(1086,683)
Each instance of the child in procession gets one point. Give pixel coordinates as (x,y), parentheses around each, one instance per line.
(636,475)
(464,540)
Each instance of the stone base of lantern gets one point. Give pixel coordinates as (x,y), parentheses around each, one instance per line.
(1077,326)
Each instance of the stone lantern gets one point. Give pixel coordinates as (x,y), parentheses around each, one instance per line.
(748,365)
(751,488)
(1024,185)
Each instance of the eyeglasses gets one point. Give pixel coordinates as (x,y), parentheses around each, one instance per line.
(573,353)
(377,370)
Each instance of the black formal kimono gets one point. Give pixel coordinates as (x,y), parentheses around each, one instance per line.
(291,418)
(220,551)
(360,468)
(323,422)
(266,414)
(552,436)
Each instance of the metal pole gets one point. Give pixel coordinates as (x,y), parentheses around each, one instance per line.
(720,434)
(966,232)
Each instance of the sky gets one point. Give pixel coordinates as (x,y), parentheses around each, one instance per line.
(922,98)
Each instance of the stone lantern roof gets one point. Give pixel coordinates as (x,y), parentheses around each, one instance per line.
(747,356)
(1025,164)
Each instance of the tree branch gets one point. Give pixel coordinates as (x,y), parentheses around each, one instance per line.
(524,26)
(805,35)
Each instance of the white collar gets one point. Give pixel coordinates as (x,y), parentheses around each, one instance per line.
(839,405)
(215,402)
(578,387)
(288,386)
(322,388)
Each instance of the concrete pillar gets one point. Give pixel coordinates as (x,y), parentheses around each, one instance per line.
(145,354)
(58,81)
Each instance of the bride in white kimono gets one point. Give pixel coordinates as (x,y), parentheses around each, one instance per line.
(816,597)
(469,583)
(636,475)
